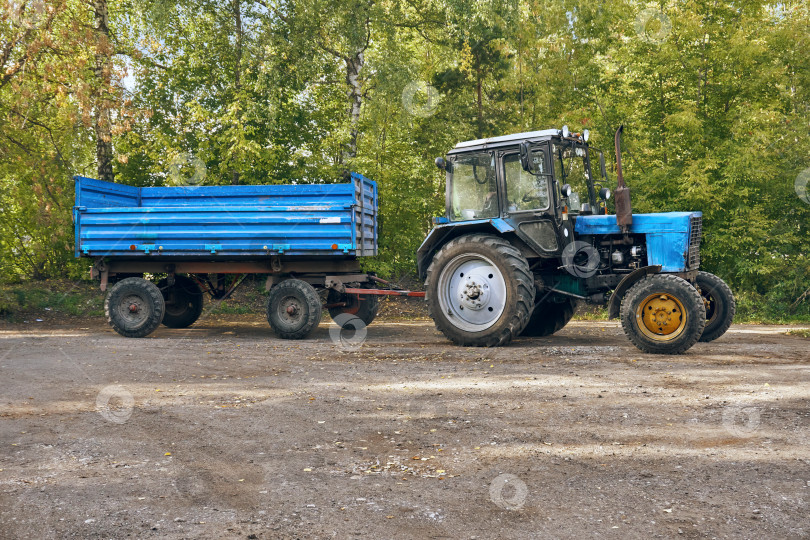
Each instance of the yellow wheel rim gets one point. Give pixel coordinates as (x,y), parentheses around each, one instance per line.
(661,317)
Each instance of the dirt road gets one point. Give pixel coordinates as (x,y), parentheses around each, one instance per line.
(223,430)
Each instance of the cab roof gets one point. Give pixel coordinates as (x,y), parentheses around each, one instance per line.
(505,140)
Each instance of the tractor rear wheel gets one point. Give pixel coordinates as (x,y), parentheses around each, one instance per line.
(293,309)
(479,290)
(184,302)
(663,314)
(549,317)
(134,307)
(720,305)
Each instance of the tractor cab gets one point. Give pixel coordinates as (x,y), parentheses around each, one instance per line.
(534,182)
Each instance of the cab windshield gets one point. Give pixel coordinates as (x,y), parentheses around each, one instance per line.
(571,167)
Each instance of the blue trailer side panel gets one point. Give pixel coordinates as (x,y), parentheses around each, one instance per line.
(335,220)
(670,241)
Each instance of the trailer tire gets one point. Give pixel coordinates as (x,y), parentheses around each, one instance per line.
(364,308)
(293,309)
(491,278)
(184,302)
(134,307)
(720,305)
(663,314)
(549,317)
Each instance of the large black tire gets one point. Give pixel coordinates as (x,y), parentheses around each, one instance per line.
(491,279)
(363,307)
(720,305)
(663,314)
(549,317)
(293,309)
(134,307)
(184,302)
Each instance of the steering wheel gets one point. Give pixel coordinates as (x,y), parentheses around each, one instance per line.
(530,198)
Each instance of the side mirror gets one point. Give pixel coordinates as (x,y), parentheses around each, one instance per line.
(566,190)
(525,156)
(441,163)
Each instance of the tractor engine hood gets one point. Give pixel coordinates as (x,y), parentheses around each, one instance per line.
(672,238)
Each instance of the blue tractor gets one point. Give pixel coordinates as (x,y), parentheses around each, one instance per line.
(527,236)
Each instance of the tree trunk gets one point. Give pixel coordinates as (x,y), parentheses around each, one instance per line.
(479,83)
(103,74)
(237,75)
(353,66)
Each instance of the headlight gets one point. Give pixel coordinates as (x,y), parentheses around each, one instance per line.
(604,194)
(566,190)
(565,131)
(586,135)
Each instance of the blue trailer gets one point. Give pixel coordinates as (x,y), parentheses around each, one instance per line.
(307,238)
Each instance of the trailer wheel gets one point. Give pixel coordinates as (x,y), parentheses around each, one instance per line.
(479,290)
(184,302)
(134,307)
(720,305)
(293,309)
(663,314)
(549,317)
(364,308)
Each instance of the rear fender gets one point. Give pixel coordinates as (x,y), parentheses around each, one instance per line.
(629,280)
(442,234)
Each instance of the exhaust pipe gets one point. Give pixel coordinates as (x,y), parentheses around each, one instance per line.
(624,209)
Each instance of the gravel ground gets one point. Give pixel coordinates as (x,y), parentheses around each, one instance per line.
(222,430)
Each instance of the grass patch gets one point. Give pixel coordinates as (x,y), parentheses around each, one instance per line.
(51,299)
(588,312)
(801,332)
(228,307)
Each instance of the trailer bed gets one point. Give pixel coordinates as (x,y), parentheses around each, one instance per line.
(332,221)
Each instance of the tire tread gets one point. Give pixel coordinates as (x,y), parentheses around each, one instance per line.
(151,292)
(514,260)
(649,285)
(730,304)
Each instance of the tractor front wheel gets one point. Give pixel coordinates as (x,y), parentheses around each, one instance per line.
(663,314)
(720,305)
(479,290)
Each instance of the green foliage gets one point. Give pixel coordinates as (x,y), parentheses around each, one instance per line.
(715,98)
(52,301)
